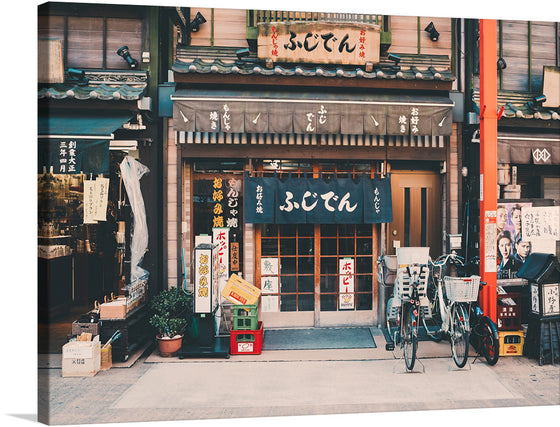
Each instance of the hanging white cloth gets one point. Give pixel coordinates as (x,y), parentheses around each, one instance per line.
(131,172)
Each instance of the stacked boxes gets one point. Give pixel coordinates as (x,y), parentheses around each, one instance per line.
(246,335)
(509,324)
(509,312)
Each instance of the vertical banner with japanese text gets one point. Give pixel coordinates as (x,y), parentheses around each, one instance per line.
(218,203)
(346,284)
(203,279)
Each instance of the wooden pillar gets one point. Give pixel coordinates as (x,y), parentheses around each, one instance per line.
(488,164)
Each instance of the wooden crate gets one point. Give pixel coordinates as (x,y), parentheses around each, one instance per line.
(90,327)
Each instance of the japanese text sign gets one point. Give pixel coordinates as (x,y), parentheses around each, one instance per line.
(203,279)
(73,156)
(347,43)
(270,200)
(346,283)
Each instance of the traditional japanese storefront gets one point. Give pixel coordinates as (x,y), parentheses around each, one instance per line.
(311,168)
(304,193)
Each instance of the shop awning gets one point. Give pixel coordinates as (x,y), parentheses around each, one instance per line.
(524,148)
(311,113)
(81,126)
(73,144)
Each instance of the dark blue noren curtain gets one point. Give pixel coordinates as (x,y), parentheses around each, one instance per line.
(317,189)
(349,203)
(259,200)
(378,205)
(269,200)
(289,209)
(73,156)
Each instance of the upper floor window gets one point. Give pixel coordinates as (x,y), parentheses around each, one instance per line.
(526,47)
(92,42)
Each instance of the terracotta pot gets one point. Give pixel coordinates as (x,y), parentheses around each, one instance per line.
(169,347)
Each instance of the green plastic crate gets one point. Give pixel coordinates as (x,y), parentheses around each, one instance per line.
(245,317)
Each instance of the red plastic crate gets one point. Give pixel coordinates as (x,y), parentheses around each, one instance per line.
(509,316)
(246,341)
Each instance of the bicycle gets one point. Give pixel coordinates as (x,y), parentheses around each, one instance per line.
(449,306)
(484,332)
(405,308)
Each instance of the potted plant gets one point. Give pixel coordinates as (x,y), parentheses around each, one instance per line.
(171,314)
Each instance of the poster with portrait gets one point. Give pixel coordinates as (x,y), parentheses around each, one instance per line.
(512,246)
(508,218)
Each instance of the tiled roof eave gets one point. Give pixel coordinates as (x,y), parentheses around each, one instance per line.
(520,105)
(92,92)
(104,85)
(197,66)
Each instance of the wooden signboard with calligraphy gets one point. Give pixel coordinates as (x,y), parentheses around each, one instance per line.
(328,43)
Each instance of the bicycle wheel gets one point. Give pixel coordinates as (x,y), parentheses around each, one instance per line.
(488,342)
(460,335)
(432,325)
(409,336)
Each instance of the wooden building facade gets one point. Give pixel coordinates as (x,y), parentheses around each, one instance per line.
(243,109)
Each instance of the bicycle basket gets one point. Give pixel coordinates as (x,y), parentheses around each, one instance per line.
(461,289)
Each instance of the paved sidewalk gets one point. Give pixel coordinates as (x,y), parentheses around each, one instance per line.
(287,383)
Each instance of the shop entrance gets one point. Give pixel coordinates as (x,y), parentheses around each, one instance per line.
(417,211)
(303,270)
(317,275)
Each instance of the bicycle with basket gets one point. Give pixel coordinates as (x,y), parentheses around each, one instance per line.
(456,313)
(409,302)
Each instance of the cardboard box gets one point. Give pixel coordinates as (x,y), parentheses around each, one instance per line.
(115,309)
(81,358)
(239,291)
(106,358)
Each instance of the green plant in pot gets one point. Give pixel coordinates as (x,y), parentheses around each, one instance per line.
(171,314)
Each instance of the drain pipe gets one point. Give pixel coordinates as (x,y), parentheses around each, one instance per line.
(381,300)
(381,313)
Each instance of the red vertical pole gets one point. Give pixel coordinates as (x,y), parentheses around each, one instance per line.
(488,164)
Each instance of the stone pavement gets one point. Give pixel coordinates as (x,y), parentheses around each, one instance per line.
(300,383)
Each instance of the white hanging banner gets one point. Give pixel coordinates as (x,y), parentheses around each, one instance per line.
(220,239)
(269,266)
(269,285)
(90,199)
(346,284)
(101,198)
(269,304)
